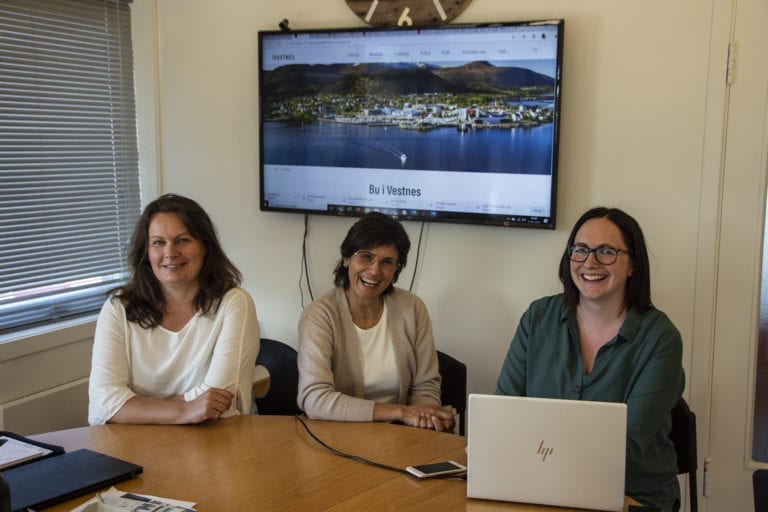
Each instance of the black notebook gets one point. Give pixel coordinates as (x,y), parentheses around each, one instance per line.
(49,481)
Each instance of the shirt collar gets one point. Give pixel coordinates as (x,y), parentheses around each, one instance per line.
(627,331)
(631,325)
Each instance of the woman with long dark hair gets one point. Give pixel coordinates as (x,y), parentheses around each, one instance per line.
(178,342)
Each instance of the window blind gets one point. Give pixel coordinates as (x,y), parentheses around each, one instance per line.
(69,181)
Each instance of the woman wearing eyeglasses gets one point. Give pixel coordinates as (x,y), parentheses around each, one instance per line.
(603,340)
(366,351)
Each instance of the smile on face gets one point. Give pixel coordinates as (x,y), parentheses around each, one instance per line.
(175,255)
(597,282)
(368,281)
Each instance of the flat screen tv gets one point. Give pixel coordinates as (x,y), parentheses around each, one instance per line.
(455,124)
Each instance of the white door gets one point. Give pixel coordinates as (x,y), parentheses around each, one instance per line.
(737,263)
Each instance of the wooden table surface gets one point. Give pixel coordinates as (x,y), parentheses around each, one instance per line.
(270,463)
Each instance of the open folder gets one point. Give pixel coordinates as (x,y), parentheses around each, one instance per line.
(52,480)
(16,450)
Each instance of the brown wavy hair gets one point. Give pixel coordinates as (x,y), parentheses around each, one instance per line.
(142,295)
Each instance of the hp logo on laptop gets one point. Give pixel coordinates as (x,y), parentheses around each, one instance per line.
(544,451)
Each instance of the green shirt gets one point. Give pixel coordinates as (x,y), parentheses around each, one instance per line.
(641,367)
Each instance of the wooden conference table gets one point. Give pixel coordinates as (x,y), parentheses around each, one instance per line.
(271,463)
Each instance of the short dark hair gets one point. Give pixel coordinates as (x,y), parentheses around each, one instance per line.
(142,296)
(638,288)
(373,230)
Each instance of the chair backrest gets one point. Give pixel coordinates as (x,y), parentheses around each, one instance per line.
(280,361)
(683,435)
(453,386)
(760,488)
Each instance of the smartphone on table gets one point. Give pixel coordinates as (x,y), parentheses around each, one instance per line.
(436,469)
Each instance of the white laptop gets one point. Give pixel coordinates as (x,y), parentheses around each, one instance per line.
(567,453)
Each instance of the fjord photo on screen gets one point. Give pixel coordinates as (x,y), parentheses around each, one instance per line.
(456,123)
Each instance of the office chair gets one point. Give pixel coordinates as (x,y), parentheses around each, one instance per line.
(453,386)
(280,361)
(760,488)
(683,435)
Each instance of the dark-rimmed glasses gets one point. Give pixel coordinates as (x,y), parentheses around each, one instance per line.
(605,254)
(368,259)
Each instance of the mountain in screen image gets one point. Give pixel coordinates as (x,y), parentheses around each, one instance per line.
(482,76)
(398,79)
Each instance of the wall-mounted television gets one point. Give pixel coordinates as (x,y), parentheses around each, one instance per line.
(455,123)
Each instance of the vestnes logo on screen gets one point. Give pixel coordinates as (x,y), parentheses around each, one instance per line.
(283,56)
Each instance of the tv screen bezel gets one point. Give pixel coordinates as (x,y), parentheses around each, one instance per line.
(456,217)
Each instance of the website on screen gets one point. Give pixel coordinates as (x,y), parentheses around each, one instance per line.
(425,121)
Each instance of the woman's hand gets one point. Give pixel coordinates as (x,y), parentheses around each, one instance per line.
(175,410)
(422,416)
(433,418)
(210,405)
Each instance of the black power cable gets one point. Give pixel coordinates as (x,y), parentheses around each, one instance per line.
(346,455)
(418,253)
(357,458)
(304,265)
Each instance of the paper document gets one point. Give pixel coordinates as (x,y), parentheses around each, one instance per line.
(13,451)
(115,500)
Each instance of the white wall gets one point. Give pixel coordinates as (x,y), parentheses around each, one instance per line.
(634,95)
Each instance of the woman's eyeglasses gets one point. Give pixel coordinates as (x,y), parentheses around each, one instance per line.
(605,254)
(368,259)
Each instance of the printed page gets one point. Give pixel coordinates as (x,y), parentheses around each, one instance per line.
(13,451)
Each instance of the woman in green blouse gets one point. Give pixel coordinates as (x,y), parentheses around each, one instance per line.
(603,340)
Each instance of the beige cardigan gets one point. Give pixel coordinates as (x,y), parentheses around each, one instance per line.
(330,371)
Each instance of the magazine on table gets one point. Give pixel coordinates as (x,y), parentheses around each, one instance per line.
(115,500)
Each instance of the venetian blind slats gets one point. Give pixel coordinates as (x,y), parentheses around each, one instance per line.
(69,186)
